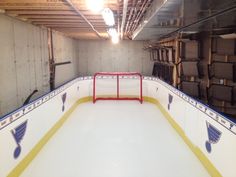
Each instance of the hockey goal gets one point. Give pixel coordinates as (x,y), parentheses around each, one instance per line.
(117,86)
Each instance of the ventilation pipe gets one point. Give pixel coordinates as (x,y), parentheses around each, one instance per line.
(125,5)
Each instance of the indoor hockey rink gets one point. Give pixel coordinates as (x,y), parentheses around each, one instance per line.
(117,88)
(116,124)
(116,138)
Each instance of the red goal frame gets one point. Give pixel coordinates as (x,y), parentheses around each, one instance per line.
(118,74)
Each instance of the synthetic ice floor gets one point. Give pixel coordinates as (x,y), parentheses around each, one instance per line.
(116,139)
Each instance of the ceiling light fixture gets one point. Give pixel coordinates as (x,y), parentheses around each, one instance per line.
(228,36)
(115,39)
(108,17)
(95,5)
(114,35)
(112,32)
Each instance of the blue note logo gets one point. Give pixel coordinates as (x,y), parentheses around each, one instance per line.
(18,134)
(213,136)
(170,99)
(63,97)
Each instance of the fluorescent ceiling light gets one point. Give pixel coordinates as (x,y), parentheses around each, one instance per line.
(95,5)
(114,35)
(228,36)
(189,32)
(115,40)
(108,17)
(112,32)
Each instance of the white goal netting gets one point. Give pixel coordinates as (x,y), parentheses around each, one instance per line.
(120,86)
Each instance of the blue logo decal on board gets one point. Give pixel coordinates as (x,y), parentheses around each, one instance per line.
(63,97)
(213,136)
(18,134)
(170,99)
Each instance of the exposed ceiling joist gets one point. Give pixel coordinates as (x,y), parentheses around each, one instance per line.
(82,15)
(67,15)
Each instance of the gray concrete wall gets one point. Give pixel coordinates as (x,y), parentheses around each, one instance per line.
(96,56)
(65,49)
(23,62)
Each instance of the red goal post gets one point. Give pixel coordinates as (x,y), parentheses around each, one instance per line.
(117,86)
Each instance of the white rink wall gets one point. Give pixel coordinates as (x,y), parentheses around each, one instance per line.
(40,116)
(207,130)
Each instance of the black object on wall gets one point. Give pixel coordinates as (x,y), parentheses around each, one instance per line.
(29,97)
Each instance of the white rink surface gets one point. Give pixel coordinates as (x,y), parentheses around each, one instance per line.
(116,139)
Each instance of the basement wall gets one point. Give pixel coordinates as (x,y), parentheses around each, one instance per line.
(24,61)
(65,49)
(103,56)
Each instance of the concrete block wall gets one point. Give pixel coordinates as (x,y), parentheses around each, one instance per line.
(65,49)
(23,62)
(103,56)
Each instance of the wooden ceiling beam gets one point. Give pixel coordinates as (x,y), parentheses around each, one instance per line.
(49,11)
(46,16)
(38,12)
(32,1)
(59,16)
(64,19)
(35,6)
(67,23)
(55,6)
(74,29)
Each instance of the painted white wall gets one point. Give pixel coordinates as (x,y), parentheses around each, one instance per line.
(23,62)
(97,56)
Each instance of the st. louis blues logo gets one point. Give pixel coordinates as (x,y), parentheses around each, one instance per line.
(18,134)
(213,136)
(63,97)
(170,99)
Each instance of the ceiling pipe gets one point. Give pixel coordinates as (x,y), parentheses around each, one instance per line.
(85,19)
(118,16)
(124,14)
(140,15)
(135,13)
(130,16)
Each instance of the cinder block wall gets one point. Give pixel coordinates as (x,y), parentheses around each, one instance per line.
(96,56)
